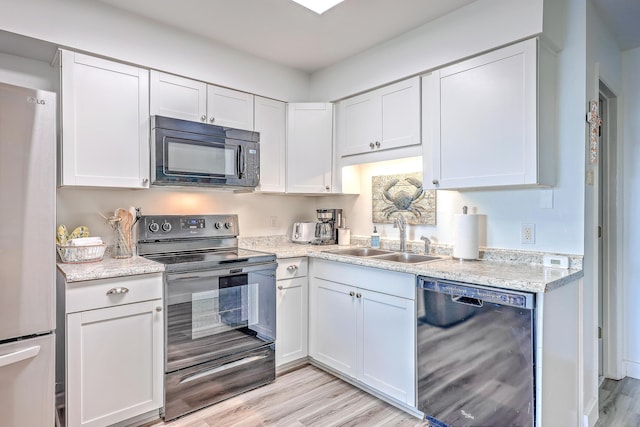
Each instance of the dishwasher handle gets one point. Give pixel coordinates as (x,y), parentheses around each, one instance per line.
(467,293)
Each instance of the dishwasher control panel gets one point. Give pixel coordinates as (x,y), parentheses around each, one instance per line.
(476,294)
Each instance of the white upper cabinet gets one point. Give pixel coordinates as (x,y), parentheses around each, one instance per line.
(187,99)
(385,118)
(105,123)
(309,147)
(178,97)
(271,123)
(488,121)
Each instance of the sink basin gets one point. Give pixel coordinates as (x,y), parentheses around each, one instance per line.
(406,257)
(360,252)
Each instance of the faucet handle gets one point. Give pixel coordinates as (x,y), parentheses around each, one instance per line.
(425,238)
(427,242)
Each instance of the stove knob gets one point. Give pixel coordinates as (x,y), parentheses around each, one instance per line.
(228,225)
(218,225)
(166,227)
(154,227)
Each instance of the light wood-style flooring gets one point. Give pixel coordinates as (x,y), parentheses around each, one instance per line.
(619,403)
(303,397)
(311,397)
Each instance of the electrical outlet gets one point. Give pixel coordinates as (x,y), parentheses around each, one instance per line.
(527,233)
(273,221)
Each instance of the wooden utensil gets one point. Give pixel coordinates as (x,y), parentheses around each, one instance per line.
(126,222)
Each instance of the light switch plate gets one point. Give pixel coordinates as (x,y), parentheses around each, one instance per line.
(556,261)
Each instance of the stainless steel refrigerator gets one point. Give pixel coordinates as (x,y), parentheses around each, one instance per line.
(27,256)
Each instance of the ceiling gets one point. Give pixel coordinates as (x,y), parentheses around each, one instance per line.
(623,18)
(284,32)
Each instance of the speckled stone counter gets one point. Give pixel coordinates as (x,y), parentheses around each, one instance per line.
(109,267)
(507,274)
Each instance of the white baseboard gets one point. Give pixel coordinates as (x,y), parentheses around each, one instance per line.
(591,413)
(633,369)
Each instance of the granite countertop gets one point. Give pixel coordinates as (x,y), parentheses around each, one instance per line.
(109,267)
(502,274)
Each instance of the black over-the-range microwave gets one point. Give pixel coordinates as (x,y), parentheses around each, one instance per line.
(186,153)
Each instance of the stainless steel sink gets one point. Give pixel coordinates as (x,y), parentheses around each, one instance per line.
(406,257)
(365,252)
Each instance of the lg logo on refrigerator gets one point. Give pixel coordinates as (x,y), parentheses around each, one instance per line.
(32,100)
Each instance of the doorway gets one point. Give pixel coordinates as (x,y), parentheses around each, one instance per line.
(608,233)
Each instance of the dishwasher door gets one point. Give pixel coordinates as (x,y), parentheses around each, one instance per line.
(475,355)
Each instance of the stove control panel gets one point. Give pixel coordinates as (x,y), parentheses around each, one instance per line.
(159,227)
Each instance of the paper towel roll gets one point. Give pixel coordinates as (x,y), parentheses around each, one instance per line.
(465,236)
(344,236)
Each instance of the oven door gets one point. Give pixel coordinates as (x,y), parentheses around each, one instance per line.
(216,313)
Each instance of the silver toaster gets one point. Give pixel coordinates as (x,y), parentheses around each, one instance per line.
(303,232)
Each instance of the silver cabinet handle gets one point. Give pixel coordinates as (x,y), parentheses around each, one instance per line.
(327,188)
(435,182)
(158,309)
(377,144)
(118,290)
(292,268)
(280,287)
(351,293)
(203,118)
(371,145)
(145,181)
(212,119)
(358,295)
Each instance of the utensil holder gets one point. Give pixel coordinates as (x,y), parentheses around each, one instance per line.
(121,247)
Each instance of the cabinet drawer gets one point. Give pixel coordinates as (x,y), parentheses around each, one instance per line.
(101,293)
(291,267)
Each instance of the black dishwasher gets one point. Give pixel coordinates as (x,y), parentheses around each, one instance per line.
(475,349)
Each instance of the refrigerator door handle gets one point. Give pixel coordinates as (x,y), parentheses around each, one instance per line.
(18,356)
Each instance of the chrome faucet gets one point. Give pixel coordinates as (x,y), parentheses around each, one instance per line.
(401,225)
(427,242)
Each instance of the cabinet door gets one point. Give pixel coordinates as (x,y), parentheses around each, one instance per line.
(177,97)
(386,344)
(105,123)
(271,122)
(382,119)
(309,147)
(333,339)
(484,125)
(228,107)
(114,363)
(291,320)
(400,114)
(359,124)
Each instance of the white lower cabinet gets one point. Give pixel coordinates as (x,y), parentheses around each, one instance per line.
(291,312)
(362,324)
(114,349)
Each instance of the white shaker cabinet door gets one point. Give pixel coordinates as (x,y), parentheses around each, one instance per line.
(386,337)
(309,147)
(271,122)
(333,334)
(482,126)
(114,363)
(291,320)
(228,107)
(177,97)
(105,123)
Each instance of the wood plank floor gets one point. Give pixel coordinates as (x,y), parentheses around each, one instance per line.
(619,403)
(304,397)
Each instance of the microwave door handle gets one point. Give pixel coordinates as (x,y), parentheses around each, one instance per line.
(240,162)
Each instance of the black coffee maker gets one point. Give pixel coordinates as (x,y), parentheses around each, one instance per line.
(327,227)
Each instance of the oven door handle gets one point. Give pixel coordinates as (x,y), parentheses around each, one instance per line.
(268,269)
(231,365)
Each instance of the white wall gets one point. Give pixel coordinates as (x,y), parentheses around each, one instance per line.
(631,243)
(475,28)
(27,72)
(97,28)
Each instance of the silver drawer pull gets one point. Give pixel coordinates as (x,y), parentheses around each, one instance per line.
(158,309)
(292,268)
(118,290)
(280,287)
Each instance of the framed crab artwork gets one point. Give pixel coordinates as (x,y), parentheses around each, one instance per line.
(403,194)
